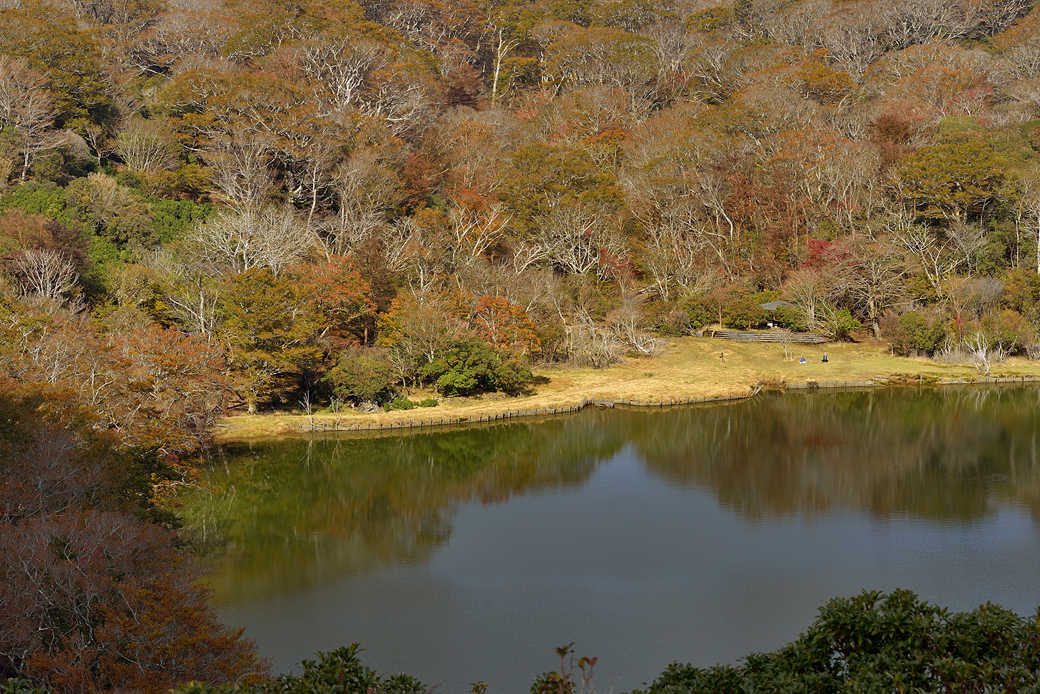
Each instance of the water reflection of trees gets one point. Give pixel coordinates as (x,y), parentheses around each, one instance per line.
(949,453)
(295,512)
(290,513)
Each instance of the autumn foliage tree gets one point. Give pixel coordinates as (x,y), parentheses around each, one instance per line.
(68,57)
(340,296)
(155,389)
(498,163)
(961,179)
(97,596)
(271,327)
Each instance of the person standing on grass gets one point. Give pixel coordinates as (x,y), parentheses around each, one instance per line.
(722,356)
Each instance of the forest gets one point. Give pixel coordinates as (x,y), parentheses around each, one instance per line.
(209,207)
(328,204)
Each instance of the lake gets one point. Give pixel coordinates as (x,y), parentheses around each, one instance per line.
(692,534)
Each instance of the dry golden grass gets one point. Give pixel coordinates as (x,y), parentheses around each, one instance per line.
(691,367)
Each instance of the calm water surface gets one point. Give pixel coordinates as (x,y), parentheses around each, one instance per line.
(691,534)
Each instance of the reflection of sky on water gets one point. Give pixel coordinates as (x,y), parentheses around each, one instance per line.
(640,573)
(963,565)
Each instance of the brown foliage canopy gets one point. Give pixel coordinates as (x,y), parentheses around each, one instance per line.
(96,595)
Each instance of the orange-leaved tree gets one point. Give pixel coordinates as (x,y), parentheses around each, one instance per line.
(271,329)
(505,326)
(95,596)
(341,297)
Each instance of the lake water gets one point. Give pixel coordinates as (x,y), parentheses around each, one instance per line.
(694,534)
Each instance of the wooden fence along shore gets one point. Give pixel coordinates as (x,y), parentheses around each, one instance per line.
(771,336)
(454,420)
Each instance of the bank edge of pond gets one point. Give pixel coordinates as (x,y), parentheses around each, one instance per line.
(398,421)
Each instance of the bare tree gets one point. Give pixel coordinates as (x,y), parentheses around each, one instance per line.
(269,237)
(145,147)
(341,67)
(809,289)
(850,175)
(416,250)
(870,276)
(239,160)
(1024,60)
(311,153)
(26,105)
(102,140)
(969,239)
(574,239)
(174,36)
(973,297)
(473,232)
(910,22)
(188,282)
(136,13)
(786,338)
(710,192)
(423,324)
(365,189)
(587,344)
(46,273)
(624,322)
(568,239)
(1029,203)
(852,36)
(978,347)
(501,47)
(673,256)
(526,254)
(935,258)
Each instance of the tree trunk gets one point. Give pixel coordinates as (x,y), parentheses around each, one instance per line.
(499,55)
(872,315)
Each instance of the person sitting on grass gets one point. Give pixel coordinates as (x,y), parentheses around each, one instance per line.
(802,360)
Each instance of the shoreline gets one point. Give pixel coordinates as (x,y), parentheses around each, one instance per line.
(691,371)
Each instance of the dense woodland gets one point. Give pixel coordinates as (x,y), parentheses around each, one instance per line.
(331,203)
(213,206)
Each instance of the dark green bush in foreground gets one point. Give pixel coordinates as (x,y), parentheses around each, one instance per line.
(883,643)
(874,642)
(470,366)
(403,403)
(337,671)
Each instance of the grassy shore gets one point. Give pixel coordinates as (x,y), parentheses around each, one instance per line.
(691,367)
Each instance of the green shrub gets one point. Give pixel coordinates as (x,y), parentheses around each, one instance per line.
(744,312)
(403,403)
(399,403)
(470,366)
(172,218)
(915,334)
(129,179)
(882,643)
(1009,330)
(338,671)
(552,335)
(111,210)
(675,323)
(20,686)
(362,376)
(789,317)
(872,642)
(44,199)
(700,312)
(840,324)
